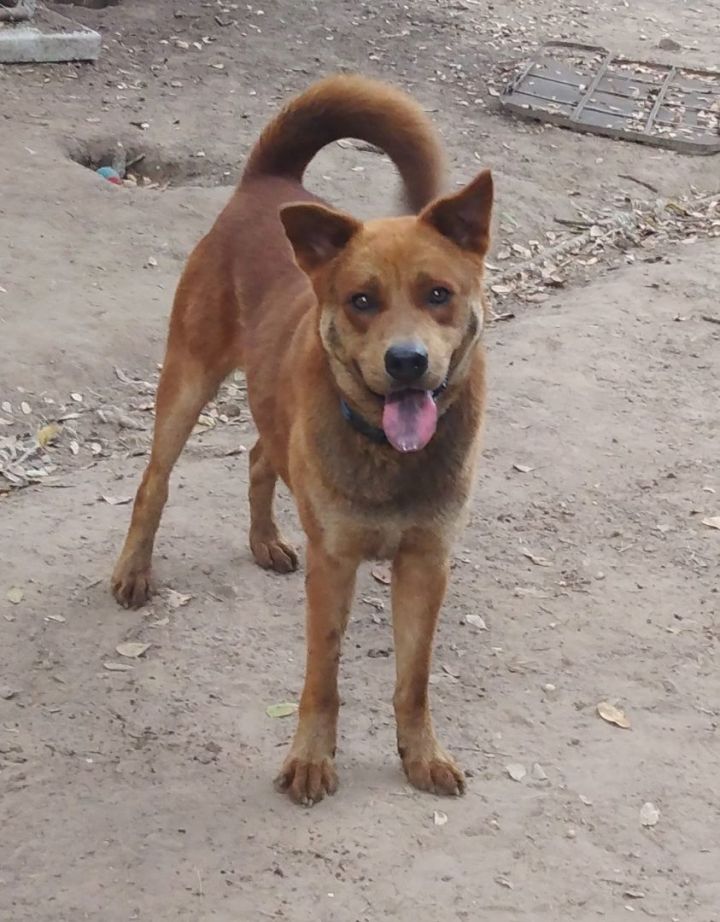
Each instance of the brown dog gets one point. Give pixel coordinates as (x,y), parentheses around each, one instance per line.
(365,375)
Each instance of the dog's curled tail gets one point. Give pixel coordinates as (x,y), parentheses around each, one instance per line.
(350,106)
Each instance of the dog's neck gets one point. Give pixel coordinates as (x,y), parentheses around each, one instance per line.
(361,425)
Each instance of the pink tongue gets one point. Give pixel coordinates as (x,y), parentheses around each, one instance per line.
(409,419)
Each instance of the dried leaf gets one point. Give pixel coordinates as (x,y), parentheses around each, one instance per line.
(538,561)
(25,407)
(283,709)
(123,376)
(649,815)
(118,667)
(712,522)
(634,894)
(440,818)
(59,619)
(613,715)
(476,621)
(176,599)
(46,435)
(132,649)
(538,772)
(523,468)
(382,572)
(516,771)
(116,417)
(78,398)
(504,882)
(15,595)
(117,500)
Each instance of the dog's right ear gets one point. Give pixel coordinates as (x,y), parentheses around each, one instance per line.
(317,233)
(464,217)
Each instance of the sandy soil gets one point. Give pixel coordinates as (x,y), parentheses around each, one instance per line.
(145,794)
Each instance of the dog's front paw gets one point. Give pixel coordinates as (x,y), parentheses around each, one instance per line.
(273,553)
(131,585)
(307,780)
(434,771)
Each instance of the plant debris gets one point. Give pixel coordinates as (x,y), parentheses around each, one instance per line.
(610,236)
(613,715)
(516,771)
(132,649)
(118,667)
(283,709)
(533,558)
(47,434)
(117,500)
(176,599)
(382,572)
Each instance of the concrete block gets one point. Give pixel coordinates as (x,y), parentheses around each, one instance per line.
(47,38)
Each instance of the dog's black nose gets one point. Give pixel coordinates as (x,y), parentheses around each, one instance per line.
(406,362)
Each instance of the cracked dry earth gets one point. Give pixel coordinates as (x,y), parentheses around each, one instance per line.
(587,574)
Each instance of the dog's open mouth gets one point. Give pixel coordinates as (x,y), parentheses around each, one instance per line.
(409,419)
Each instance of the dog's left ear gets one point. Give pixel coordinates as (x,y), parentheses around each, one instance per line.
(465,217)
(317,233)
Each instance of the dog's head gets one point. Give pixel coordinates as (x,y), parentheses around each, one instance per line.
(400,301)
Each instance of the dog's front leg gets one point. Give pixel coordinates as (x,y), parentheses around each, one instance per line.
(420,571)
(308,773)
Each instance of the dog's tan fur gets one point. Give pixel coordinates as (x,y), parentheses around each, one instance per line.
(269,290)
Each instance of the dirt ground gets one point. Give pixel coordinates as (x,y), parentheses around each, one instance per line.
(145,794)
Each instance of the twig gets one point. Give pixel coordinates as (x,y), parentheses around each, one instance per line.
(709,318)
(640,182)
(133,161)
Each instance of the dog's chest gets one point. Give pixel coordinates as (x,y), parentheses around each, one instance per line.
(367,500)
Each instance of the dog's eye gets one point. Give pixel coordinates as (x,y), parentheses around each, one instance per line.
(439,295)
(362,302)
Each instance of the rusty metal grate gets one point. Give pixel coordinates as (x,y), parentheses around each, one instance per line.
(589,88)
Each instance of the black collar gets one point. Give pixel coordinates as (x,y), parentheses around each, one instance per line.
(374,433)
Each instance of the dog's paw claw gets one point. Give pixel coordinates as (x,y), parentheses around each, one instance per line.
(274,554)
(437,774)
(132,588)
(307,782)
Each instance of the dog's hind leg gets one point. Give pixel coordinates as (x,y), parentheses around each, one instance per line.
(186,385)
(269,548)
